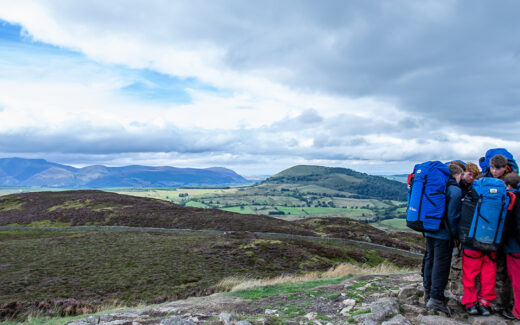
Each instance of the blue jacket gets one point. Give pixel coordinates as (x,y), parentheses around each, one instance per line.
(452,214)
(511,245)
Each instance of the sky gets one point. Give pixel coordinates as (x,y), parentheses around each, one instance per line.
(259,86)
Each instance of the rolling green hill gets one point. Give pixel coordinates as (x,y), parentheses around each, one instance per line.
(359,185)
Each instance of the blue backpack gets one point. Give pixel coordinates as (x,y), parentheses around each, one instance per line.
(484,163)
(483,215)
(427,196)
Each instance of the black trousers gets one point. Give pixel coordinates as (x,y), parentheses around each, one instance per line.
(437,261)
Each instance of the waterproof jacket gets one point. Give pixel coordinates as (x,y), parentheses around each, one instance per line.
(511,244)
(452,213)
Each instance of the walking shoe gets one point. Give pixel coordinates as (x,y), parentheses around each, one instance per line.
(439,305)
(484,311)
(508,314)
(426,295)
(472,310)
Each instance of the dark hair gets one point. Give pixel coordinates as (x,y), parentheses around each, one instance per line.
(460,164)
(455,169)
(512,179)
(498,161)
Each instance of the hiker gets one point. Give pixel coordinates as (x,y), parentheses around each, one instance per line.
(471,173)
(455,279)
(508,272)
(439,245)
(476,262)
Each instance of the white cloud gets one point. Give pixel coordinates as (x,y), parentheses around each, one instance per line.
(335,83)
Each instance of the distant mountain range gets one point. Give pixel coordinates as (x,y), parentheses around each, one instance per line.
(39,172)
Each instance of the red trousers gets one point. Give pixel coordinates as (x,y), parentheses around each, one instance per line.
(513,270)
(473,264)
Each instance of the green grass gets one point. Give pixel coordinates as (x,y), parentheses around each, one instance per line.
(197,205)
(246,210)
(395,223)
(284,288)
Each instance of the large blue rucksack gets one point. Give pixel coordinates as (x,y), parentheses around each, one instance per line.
(483,215)
(484,163)
(427,196)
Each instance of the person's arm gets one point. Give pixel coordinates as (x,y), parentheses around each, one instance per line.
(454,201)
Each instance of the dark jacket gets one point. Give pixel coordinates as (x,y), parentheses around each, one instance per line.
(511,244)
(452,214)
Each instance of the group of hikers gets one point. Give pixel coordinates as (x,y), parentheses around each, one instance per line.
(469,216)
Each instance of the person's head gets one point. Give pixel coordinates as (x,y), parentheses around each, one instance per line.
(460,164)
(512,180)
(456,171)
(471,173)
(498,165)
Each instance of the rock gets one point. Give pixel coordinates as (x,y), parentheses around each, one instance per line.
(311,315)
(414,310)
(118,322)
(397,320)
(165,310)
(243,322)
(271,311)
(227,318)
(416,277)
(379,311)
(437,320)
(129,314)
(345,311)
(349,303)
(489,320)
(408,291)
(176,320)
(79,322)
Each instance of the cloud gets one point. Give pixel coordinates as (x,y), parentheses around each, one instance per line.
(336,83)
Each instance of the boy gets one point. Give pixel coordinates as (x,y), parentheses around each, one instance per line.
(439,245)
(475,263)
(512,251)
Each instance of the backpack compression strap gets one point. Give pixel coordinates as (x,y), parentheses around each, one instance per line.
(512,199)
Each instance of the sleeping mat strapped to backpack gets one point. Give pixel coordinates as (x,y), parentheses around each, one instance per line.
(483,215)
(427,196)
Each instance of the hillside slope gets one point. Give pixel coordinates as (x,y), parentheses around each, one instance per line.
(92,207)
(360,185)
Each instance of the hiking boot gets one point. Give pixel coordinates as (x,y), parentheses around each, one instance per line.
(439,305)
(426,295)
(508,314)
(484,311)
(472,310)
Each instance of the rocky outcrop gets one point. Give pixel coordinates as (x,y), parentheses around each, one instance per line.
(369,299)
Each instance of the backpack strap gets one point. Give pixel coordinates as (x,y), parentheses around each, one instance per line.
(512,200)
(477,257)
(513,256)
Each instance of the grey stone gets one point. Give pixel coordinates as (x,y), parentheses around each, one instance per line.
(271,311)
(129,314)
(437,320)
(118,322)
(408,291)
(414,310)
(489,320)
(175,320)
(79,322)
(311,315)
(379,311)
(243,322)
(397,320)
(227,318)
(165,310)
